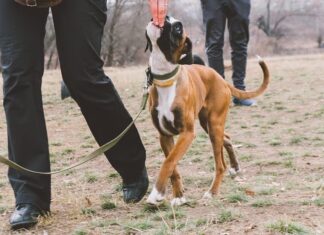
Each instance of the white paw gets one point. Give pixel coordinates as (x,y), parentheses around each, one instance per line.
(155,197)
(233,171)
(208,195)
(178,201)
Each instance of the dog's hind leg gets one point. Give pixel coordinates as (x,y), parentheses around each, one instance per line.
(216,134)
(184,141)
(235,167)
(167,144)
(203,119)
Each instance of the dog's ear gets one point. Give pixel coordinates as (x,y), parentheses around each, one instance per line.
(198,60)
(187,46)
(186,53)
(148,43)
(186,59)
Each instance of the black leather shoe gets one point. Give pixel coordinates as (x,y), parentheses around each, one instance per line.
(24,216)
(134,192)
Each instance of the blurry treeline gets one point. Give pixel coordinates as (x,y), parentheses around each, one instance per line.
(276,27)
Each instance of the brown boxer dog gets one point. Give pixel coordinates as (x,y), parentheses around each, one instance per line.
(180,94)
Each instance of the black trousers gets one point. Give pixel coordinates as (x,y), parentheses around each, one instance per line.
(79,28)
(215,15)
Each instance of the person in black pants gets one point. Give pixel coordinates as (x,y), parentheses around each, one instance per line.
(236,13)
(79,26)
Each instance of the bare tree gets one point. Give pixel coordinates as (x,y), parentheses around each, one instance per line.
(50,50)
(124,34)
(319,19)
(135,35)
(115,9)
(270,24)
(124,38)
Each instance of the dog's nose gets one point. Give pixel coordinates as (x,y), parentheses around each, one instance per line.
(178,29)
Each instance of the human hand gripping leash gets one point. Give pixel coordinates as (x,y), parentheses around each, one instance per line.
(92,155)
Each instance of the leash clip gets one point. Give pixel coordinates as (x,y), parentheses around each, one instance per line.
(148,82)
(149,77)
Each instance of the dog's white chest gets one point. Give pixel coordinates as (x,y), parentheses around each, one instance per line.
(166,96)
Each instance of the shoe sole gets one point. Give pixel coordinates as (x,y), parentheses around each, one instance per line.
(25,224)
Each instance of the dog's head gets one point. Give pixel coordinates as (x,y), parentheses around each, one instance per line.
(171,40)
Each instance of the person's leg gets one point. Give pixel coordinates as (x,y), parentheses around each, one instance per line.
(22,33)
(79,28)
(238,27)
(214,22)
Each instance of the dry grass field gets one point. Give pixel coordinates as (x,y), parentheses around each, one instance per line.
(280,144)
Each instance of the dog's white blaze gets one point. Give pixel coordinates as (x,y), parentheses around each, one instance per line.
(159,64)
(166,97)
(155,197)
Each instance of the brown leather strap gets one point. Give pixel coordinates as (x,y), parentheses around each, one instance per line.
(39,3)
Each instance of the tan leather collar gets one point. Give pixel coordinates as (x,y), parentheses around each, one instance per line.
(166,80)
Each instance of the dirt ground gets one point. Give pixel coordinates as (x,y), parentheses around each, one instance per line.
(280,144)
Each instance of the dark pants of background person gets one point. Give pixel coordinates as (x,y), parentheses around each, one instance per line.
(79,28)
(215,15)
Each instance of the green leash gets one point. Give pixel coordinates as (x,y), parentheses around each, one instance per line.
(89,157)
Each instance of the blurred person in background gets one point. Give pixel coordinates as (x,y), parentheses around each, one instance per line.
(216,13)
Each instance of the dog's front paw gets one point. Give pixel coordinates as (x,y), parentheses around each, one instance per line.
(155,197)
(178,201)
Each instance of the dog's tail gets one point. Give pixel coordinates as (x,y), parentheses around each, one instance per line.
(251,94)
